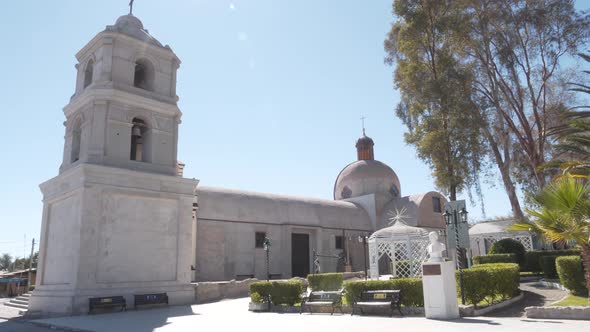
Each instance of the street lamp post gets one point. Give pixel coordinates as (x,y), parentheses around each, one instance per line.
(363,239)
(455,222)
(267,249)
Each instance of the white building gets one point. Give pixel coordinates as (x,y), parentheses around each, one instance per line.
(119,219)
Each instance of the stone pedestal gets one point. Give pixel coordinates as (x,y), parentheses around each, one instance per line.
(440,290)
(110,231)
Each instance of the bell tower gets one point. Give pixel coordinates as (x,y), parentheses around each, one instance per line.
(124,110)
(117,220)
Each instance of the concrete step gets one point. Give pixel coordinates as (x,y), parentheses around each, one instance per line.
(23,298)
(19,301)
(16,305)
(26,295)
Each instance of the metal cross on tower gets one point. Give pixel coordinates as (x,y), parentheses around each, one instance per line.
(363,120)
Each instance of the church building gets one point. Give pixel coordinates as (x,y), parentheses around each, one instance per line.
(231,224)
(119,218)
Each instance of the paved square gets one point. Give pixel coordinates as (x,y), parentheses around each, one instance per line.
(232,315)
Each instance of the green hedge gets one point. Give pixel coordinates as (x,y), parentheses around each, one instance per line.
(510,246)
(280,292)
(532,263)
(325,281)
(488,281)
(571,274)
(494,258)
(548,266)
(412,295)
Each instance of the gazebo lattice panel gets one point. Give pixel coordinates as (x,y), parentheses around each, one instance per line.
(406,252)
(526,240)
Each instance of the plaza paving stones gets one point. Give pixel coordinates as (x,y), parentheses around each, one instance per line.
(232,315)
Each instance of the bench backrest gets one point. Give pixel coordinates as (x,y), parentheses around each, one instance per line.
(158,298)
(108,300)
(324,296)
(393,296)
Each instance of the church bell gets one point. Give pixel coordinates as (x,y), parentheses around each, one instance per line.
(136,131)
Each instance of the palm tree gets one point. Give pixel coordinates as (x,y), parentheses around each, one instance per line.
(562,215)
(573,136)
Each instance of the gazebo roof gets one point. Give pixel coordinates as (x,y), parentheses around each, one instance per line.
(399,230)
(492,227)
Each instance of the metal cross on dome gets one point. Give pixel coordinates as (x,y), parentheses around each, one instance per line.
(131,7)
(363,120)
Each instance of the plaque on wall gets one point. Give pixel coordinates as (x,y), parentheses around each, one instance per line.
(431,270)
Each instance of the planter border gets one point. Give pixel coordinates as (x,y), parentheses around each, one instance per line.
(576,313)
(471,311)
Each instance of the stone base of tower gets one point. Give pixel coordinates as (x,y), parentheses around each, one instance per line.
(76,301)
(109,231)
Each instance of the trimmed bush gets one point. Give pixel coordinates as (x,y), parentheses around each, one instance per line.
(286,292)
(262,288)
(325,281)
(510,246)
(487,281)
(532,263)
(494,258)
(571,274)
(548,266)
(411,295)
(279,292)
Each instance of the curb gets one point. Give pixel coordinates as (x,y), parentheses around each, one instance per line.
(471,311)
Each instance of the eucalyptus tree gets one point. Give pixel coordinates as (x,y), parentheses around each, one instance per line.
(435,89)
(517,48)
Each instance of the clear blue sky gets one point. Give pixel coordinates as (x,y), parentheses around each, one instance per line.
(272,94)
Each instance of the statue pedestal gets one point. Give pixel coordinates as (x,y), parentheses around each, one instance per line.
(440,290)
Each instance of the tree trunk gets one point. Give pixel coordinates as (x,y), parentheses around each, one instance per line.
(504,168)
(586,263)
(453,193)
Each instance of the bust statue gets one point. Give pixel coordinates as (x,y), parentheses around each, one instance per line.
(435,248)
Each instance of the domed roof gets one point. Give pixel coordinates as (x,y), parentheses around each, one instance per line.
(399,230)
(365,177)
(131,26)
(364,141)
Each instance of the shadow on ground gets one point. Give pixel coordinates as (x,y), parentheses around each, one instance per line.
(135,320)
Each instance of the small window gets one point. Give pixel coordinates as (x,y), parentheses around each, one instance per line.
(259,239)
(346,192)
(76,138)
(339,242)
(88,73)
(394,191)
(436,206)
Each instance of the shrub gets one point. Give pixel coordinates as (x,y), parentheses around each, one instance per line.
(571,274)
(548,266)
(532,263)
(325,281)
(411,289)
(256,298)
(262,288)
(509,246)
(494,258)
(279,292)
(286,292)
(487,281)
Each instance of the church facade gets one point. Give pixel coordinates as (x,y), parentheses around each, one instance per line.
(119,218)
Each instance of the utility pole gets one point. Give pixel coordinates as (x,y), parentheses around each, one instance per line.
(30,266)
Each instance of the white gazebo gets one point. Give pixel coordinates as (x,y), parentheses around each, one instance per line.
(405,246)
(483,235)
